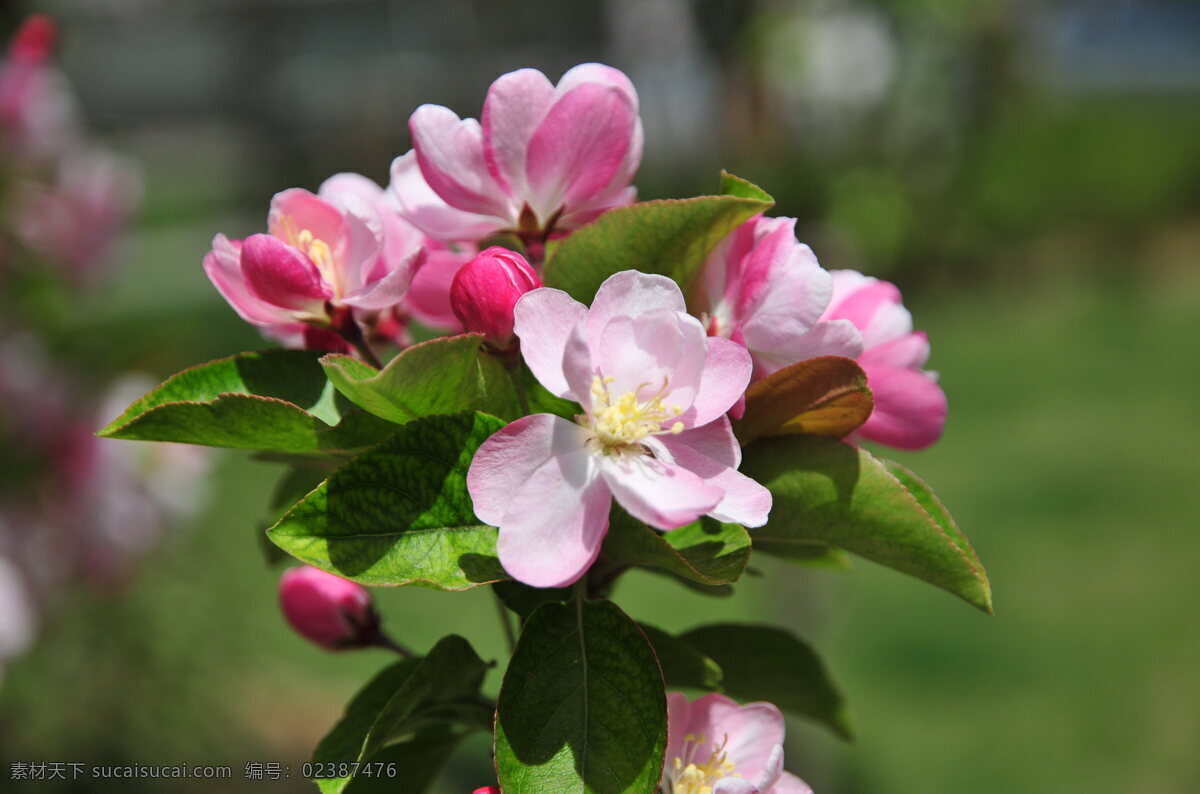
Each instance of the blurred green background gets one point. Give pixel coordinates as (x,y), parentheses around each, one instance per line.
(1027,172)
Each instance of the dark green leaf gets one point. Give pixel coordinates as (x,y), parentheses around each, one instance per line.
(278,400)
(540,401)
(826,396)
(523,599)
(400,513)
(582,708)
(706,552)
(440,689)
(829,492)
(441,376)
(766,663)
(683,667)
(409,766)
(670,237)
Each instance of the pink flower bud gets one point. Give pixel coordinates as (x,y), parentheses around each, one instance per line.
(331,611)
(487,790)
(485,290)
(34,40)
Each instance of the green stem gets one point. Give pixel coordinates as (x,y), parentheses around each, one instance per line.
(508,630)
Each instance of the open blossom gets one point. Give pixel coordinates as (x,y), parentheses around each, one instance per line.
(325,257)
(332,612)
(910,406)
(653,433)
(545,156)
(763,289)
(715,746)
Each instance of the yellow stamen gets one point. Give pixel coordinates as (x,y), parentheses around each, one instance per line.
(621,423)
(313,247)
(688,777)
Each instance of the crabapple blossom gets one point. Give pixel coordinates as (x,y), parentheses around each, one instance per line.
(715,746)
(325,257)
(39,116)
(765,290)
(653,434)
(487,288)
(544,157)
(332,612)
(910,406)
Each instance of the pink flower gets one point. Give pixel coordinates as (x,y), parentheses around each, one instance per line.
(910,407)
(326,256)
(714,745)
(544,157)
(653,435)
(39,116)
(763,289)
(487,288)
(487,790)
(331,611)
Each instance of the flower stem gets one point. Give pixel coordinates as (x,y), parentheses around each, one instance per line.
(508,630)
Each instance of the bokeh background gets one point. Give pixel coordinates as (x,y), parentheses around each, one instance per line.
(1027,171)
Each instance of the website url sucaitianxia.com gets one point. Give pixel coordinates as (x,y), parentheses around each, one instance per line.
(60,770)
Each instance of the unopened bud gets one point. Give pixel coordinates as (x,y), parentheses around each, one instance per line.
(34,40)
(486,289)
(487,790)
(331,611)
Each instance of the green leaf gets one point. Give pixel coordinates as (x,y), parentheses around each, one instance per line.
(400,513)
(706,552)
(826,396)
(670,237)
(683,667)
(276,400)
(410,766)
(828,492)
(441,376)
(582,707)
(736,186)
(766,663)
(539,399)
(440,689)
(523,599)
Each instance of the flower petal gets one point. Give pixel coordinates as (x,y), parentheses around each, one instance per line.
(833,338)
(426,210)
(308,212)
(510,456)
(754,730)
(630,294)
(450,154)
(428,298)
(663,495)
(223,265)
(543,320)
(556,521)
(727,369)
(910,408)
(282,276)
(516,103)
(790,784)
(743,500)
(910,351)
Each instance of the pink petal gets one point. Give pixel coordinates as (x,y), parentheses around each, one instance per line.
(678,726)
(223,265)
(727,368)
(714,440)
(769,261)
(874,307)
(426,210)
(643,353)
(450,154)
(428,298)
(578,147)
(661,494)
(772,769)
(835,338)
(910,408)
(735,785)
(754,730)
(743,500)
(600,74)
(307,211)
(282,276)
(515,104)
(630,294)
(510,456)
(556,521)
(790,784)
(543,320)
(388,291)
(909,351)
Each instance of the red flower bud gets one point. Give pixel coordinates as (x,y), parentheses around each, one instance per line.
(34,40)
(331,611)
(487,790)
(485,290)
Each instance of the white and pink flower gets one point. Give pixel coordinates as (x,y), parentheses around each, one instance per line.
(910,406)
(765,290)
(545,156)
(326,257)
(653,433)
(715,746)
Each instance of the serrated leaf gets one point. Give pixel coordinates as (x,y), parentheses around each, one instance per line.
(706,552)
(826,396)
(441,376)
(582,707)
(767,663)
(670,237)
(407,696)
(400,513)
(828,492)
(683,666)
(277,400)
(732,185)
